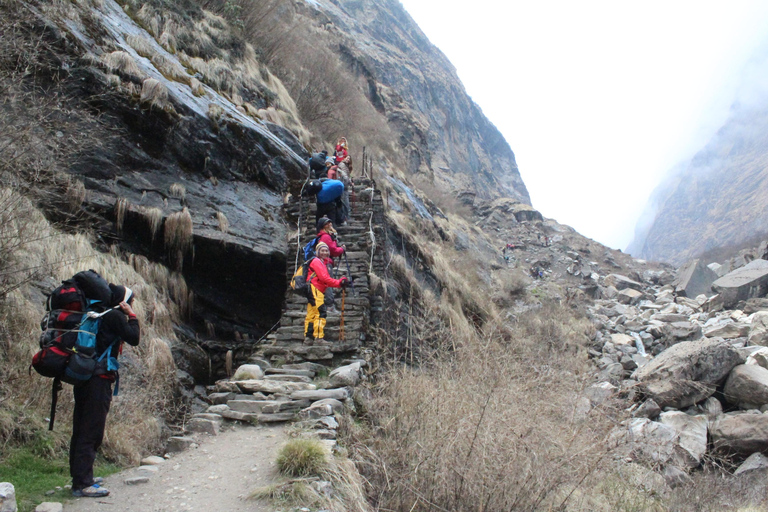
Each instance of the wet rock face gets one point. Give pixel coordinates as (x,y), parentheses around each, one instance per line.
(150,163)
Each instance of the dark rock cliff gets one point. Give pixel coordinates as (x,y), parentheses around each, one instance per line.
(442,133)
(719,198)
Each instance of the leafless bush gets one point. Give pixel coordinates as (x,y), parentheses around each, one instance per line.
(492,428)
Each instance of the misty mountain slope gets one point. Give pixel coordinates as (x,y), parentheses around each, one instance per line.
(720,198)
(442,134)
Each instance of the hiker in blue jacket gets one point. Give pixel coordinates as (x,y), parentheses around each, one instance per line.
(94,396)
(329,201)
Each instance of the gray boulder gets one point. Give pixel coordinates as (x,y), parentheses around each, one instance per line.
(741,433)
(746,282)
(629,296)
(758,332)
(694,278)
(728,331)
(348,375)
(747,386)
(622,282)
(248,371)
(688,372)
(692,436)
(651,441)
(756,461)
(7,497)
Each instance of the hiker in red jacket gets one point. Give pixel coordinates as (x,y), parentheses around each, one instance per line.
(327,235)
(341,150)
(319,281)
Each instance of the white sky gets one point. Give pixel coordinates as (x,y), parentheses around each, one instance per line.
(598,99)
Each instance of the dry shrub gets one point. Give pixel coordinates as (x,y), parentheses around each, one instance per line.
(302,457)
(223,222)
(122,63)
(178,190)
(178,236)
(141,45)
(215,112)
(197,88)
(170,69)
(508,286)
(122,205)
(492,427)
(154,93)
(154,218)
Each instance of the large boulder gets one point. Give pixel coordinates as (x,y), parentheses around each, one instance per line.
(692,436)
(758,332)
(729,331)
(747,386)
(622,282)
(688,372)
(348,375)
(740,433)
(746,282)
(694,278)
(651,441)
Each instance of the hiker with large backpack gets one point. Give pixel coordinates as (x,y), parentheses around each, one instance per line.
(329,203)
(318,281)
(86,321)
(317,165)
(94,396)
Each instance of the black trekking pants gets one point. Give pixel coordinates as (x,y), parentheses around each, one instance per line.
(92,401)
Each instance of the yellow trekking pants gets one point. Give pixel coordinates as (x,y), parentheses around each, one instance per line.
(314,323)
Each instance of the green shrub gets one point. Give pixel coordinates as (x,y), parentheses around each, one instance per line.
(301,457)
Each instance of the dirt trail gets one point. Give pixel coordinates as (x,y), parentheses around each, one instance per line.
(217,476)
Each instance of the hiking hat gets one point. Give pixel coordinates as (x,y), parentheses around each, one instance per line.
(330,160)
(319,246)
(120,294)
(322,223)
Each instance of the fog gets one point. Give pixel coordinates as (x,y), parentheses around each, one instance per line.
(600,101)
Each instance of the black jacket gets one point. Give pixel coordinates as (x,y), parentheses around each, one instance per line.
(114,327)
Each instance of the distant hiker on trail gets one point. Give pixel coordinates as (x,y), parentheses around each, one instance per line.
(329,202)
(341,150)
(317,164)
(93,397)
(319,281)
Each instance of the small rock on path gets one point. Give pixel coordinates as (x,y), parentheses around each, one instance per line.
(215,477)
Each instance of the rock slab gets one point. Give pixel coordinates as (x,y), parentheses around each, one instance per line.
(688,372)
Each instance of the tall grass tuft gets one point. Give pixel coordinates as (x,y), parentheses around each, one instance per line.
(223,222)
(302,457)
(122,205)
(178,235)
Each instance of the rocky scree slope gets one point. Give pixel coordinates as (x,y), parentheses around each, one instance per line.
(441,133)
(692,373)
(719,198)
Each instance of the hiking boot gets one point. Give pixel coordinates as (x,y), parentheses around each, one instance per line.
(309,341)
(97,480)
(94,491)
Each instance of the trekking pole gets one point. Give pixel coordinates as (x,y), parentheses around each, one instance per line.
(341,322)
(349,273)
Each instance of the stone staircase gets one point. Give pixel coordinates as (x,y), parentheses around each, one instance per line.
(364,237)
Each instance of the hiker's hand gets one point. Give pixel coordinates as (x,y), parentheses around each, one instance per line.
(127,309)
(344,247)
(344,281)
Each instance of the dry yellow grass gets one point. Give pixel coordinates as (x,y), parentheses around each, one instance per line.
(122,63)
(178,190)
(222,221)
(122,205)
(154,93)
(178,236)
(197,88)
(154,218)
(141,45)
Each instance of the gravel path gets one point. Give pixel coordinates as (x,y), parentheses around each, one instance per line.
(217,476)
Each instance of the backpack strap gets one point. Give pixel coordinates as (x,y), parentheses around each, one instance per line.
(55,388)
